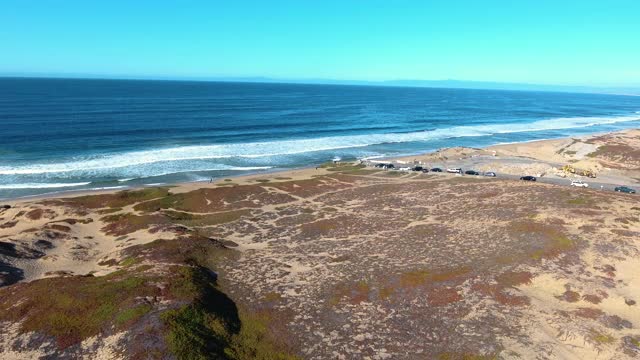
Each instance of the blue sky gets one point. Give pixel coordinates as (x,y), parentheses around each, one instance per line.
(581,42)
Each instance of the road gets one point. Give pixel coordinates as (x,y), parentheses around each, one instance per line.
(593,183)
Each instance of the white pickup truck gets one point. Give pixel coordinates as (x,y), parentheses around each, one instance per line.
(454,170)
(579,183)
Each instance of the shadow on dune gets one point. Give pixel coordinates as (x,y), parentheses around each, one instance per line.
(9,274)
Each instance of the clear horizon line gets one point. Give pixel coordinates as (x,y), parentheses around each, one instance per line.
(420,83)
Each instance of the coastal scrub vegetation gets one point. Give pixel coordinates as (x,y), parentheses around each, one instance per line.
(80,307)
(200,322)
(117,200)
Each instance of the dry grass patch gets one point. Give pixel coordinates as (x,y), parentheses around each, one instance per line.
(589,313)
(415,278)
(360,172)
(8,224)
(544,240)
(208,200)
(618,153)
(498,293)
(443,296)
(34,214)
(308,187)
(600,337)
(352,293)
(511,279)
(116,200)
(123,224)
(594,299)
(346,167)
(465,356)
(570,296)
(192,220)
(108,211)
(581,200)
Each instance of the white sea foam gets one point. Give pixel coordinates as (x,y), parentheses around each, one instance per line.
(370,158)
(136,160)
(243,168)
(41,185)
(191,169)
(109,187)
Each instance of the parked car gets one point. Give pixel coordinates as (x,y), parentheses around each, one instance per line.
(406,168)
(436,170)
(625,189)
(490,173)
(425,171)
(579,183)
(454,170)
(380,165)
(528,178)
(389,166)
(472,172)
(417,168)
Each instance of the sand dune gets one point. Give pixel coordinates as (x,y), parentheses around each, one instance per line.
(339,262)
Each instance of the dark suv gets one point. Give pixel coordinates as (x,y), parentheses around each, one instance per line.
(625,189)
(471,172)
(436,170)
(528,178)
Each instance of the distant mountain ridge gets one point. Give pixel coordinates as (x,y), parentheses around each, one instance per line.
(449,83)
(456,84)
(516,86)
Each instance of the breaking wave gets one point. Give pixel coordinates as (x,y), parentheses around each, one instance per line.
(185,159)
(41,185)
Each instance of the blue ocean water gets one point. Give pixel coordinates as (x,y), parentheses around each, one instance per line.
(64,134)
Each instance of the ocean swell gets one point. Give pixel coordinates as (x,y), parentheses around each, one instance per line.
(174,156)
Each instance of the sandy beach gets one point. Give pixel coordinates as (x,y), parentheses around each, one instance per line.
(341,261)
(540,158)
